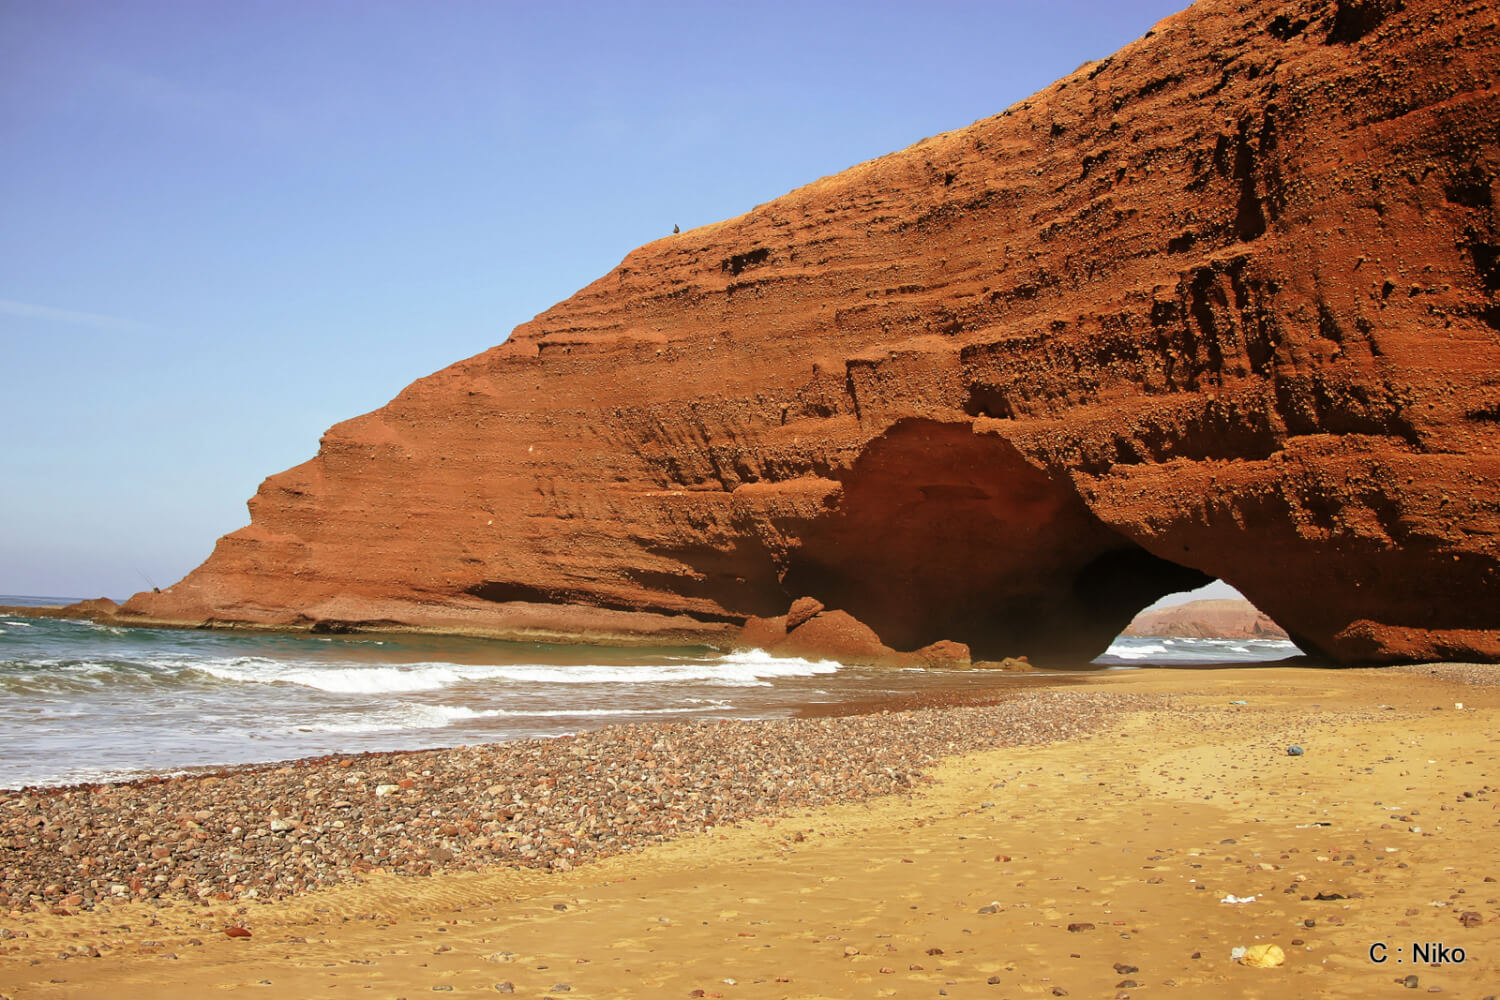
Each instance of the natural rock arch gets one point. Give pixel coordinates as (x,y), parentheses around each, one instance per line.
(1227,300)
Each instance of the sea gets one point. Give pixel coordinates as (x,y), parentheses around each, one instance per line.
(85,702)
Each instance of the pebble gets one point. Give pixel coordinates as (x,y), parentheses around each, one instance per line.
(275,830)
(1478,674)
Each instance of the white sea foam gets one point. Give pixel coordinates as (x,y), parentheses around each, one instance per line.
(372,680)
(90,775)
(1190,650)
(744,669)
(1135,652)
(345,678)
(402,715)
(416,715)
(110,629)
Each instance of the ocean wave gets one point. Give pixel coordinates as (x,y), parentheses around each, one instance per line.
(752,668)
(42,675)
(53,676)
(338,680)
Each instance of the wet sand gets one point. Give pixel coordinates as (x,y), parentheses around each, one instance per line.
(1096,865)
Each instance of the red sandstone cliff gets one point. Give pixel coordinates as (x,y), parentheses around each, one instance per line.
(1213,619)
(1221,305)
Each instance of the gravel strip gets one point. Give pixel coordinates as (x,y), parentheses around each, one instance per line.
(273,830)
(1459,673)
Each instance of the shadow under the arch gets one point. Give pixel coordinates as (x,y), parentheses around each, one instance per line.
(944,533)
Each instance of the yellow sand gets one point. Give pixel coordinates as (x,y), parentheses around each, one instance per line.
(1139,832)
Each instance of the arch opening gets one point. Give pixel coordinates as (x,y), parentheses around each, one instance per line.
(1212,624)
(943,533)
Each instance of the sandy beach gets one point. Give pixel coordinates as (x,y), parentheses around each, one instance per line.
(1129,857)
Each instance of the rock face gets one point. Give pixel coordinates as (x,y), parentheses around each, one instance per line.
(97,607)
(1215,619)
(1225,304)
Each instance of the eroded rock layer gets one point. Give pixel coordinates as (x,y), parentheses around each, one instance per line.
(1219,618)
(1226,304)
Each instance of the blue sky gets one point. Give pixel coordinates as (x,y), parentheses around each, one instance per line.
(229,225)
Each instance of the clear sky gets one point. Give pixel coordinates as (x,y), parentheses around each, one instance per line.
(229,225)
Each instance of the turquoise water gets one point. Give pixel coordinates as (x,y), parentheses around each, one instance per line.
(81,701)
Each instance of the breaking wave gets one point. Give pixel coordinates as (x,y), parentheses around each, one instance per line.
(1126,650)
(745,669)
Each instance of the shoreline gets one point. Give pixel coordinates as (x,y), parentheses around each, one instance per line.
(60,845)
(854,705)
(1115,831)
(143,696)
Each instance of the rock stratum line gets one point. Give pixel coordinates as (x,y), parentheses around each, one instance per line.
(1225,304)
